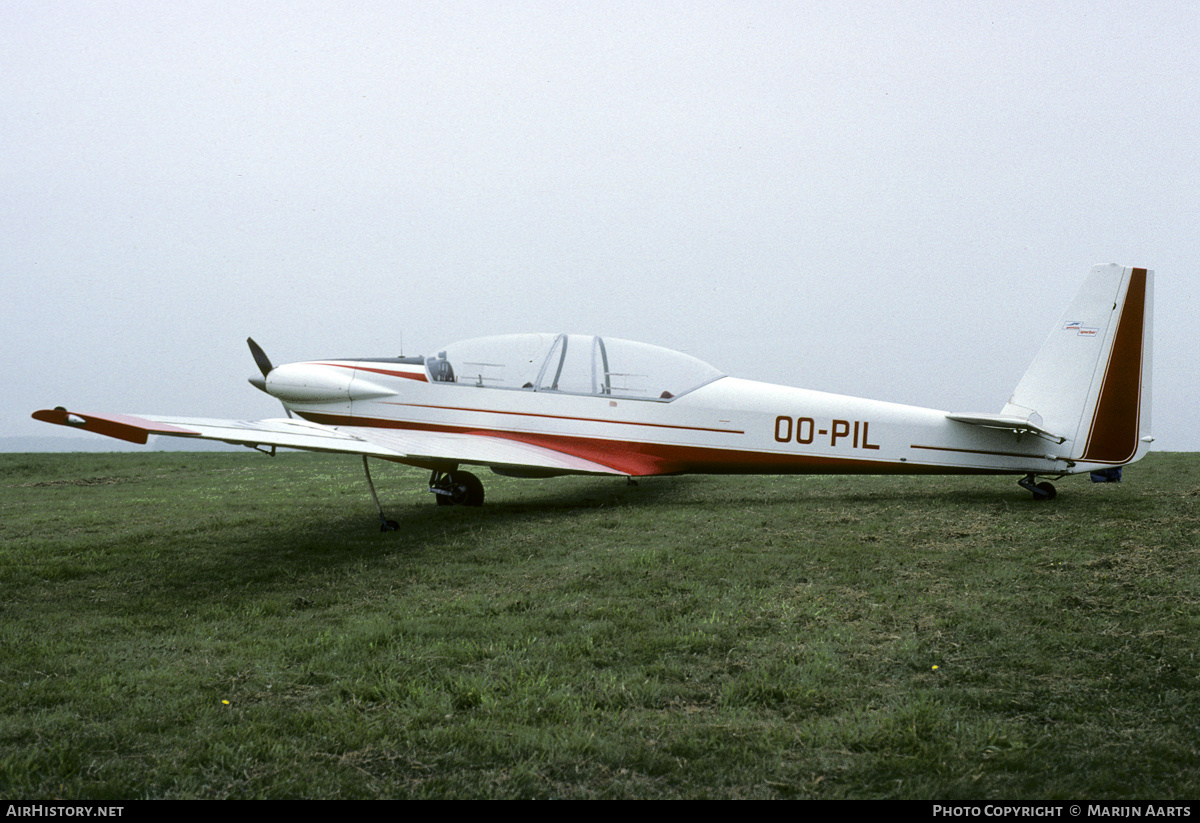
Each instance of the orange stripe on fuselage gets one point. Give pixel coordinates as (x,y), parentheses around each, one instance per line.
(409,375)
(646,459)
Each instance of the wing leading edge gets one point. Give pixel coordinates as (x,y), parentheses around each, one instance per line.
(419,448)
(423,449)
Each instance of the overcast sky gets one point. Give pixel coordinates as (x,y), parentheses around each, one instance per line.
(888,199)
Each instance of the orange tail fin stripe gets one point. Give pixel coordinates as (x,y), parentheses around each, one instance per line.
(1113,436)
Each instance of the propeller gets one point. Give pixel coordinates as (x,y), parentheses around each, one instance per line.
(264,366)
(260,357)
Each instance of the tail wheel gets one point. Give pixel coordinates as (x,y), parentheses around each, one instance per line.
(1040,491)
(1048,492)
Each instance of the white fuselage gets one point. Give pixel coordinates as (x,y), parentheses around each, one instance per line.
(726,426)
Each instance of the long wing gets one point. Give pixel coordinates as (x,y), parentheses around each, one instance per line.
(419,448)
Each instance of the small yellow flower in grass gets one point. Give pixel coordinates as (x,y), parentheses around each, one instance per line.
(935,667)
(226,702)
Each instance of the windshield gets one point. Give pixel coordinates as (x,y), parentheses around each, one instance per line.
(571,363)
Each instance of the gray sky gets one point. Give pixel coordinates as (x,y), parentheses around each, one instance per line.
(888,199)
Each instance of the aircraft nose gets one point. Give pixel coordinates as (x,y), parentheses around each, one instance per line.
(308,382)
(323,382)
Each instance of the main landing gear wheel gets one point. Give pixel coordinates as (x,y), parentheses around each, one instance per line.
(456,488)
(1041,491)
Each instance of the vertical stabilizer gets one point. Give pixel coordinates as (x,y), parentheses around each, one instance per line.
(1090,382)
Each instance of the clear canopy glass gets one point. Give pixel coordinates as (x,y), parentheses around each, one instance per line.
(571,363)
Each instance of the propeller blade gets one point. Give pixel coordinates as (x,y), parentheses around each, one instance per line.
(260,357)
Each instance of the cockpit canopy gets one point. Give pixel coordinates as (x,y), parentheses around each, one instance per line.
(572,364)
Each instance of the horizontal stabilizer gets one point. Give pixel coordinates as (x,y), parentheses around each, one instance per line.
(1005,421)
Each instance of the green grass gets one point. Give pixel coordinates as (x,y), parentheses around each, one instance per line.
(227,625)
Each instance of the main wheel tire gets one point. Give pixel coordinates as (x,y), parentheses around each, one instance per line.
(469,487)
(465,490)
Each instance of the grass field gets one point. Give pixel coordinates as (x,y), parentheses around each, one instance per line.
(230,626)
